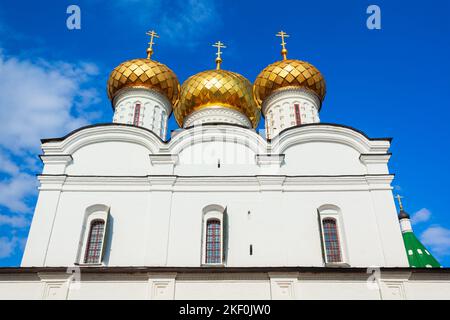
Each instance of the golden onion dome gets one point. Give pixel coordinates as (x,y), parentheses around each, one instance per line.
(144,73)
(217,88)
(287,74)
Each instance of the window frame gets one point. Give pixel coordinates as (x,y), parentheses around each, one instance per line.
(209,222)
(137,113)
(94,212)
(212,212)
(338,240)
(333,212)
(89,238)
(298,114)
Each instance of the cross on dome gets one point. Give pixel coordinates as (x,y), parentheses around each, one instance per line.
(152,35)
(219,45)
(283,35)
(399,199)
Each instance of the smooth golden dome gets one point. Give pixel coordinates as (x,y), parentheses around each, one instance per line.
(288,73)
(217,88)
(144,73)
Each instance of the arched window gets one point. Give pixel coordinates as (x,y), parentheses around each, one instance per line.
(213,252)
(214,235)
(163,123)
(94,235)
(137,114)
(298,119)
(94,243)
(332,235)
(331,240)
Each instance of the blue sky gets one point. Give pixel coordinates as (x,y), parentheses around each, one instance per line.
(391,82)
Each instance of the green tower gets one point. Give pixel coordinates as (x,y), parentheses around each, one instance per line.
(418,255)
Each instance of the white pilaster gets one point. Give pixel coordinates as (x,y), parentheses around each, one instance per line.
(161,286)
(283,285)
(55,163)
(35,253)
(392,285)
(164,163)
(56,285)
(269,163)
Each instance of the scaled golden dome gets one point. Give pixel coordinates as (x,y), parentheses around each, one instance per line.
(288,73)
(144,73)
(217,88)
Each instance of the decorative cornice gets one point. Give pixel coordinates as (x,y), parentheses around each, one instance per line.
(271,183)
(253,276)
(56,158)
(135,92)
(325,132)
(379,180)
(288,137)
(163,159)
(95,134)
(167,182)
(220,183)
(417,273)
(217,114)
(51,182)
(54,276)
(376,158)
(286,92)
(269,159)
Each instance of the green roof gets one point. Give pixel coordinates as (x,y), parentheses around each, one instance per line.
(418,255)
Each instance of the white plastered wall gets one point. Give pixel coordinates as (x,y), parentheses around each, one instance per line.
(157,195)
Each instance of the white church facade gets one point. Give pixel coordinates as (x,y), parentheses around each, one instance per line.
(217,210)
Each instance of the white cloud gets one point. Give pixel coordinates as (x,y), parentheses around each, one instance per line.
(7,246)
(14,221)
(38,99)
(437,238)
(7,166)
(421,216)
(15,191)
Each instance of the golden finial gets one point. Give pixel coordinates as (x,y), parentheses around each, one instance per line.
(283,35)
(399,199)
(152,35)
(218,45)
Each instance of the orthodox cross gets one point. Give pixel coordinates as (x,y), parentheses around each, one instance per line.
(219,45)
(152,35)
(399,199)
(283,35)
